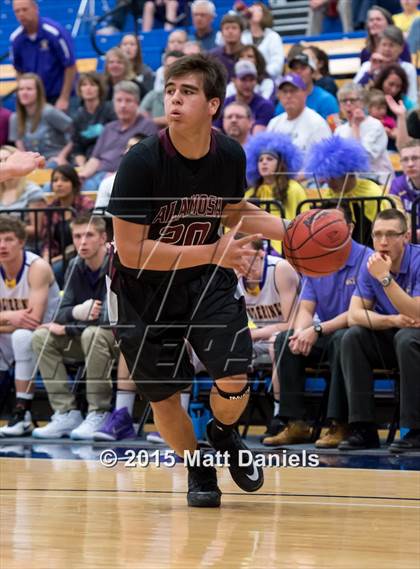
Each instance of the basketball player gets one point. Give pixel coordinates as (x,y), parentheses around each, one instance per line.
(29,296)
(174,277)
(270,290)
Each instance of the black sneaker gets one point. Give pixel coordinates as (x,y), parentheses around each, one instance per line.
(203,491)
(410,441)
(248,478)
(362,436)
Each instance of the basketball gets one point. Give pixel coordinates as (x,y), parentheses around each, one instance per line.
(318,242)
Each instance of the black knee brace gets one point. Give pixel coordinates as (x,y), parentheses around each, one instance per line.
(233,396)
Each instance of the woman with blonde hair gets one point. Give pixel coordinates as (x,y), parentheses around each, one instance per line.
(38,126)
(20,193)
(118,67)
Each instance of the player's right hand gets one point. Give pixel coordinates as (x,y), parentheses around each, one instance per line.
(234,253)
(23,319)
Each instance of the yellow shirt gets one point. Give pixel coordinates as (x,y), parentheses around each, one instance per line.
(362,189)
(295,194)
(403,21)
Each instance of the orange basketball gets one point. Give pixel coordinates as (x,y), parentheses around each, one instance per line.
(318,242)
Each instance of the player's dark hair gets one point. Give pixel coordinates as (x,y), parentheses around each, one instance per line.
(86,219)
(10,224)
(337,204)
(209,68)
(390,214)
(257,244)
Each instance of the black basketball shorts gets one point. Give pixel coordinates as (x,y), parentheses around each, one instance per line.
(154,321)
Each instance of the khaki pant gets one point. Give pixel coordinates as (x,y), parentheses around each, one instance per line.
(96,347)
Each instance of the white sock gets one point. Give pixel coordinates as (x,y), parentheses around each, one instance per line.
(185,400)
(24,395)
(276,408)
(125,399)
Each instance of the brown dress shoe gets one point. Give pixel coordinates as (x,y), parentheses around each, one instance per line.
(333,437)
(296,432)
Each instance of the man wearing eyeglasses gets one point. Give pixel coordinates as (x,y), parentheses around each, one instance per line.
(407,186)
(384,320)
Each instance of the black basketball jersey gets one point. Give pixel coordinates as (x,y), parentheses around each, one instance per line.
(182,200)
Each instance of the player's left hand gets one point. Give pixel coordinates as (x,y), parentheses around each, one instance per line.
(379,265)
(234,253)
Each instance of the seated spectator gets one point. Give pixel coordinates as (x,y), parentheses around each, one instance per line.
(111,143)
(407,186)
(341,163)
(245,80)
(378,19)
(390,46)
(265,85)
(405,19)
(301,123)
(91,117)
(38,126)
(392,80)
(203,13)
(231,28)
(130,44)
(270,289)
(262,35)
(105,187)
(20,193)
(314,342)
(321,75)
(272,163)
(79,331)
(378,109)
(117,68)
(384,333)
(56,233)
(377,65)
(176,42)
(317,98)
(4,125)
(29,296)
(152,105)
(166,10)
(237,122)
(365,129)
(321,8)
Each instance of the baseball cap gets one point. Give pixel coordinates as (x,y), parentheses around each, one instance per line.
(304,59)
(293,79)
(244,67)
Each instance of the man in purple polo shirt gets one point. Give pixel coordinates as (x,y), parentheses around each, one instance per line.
(40,45)
(312,341)
(110,146)
(245,80)
(384,316)
(231,28)
(407,186)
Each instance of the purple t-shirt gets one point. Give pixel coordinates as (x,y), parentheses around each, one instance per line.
(408,278)
(262,110)
(332,293)
(111,144)
(404,188)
